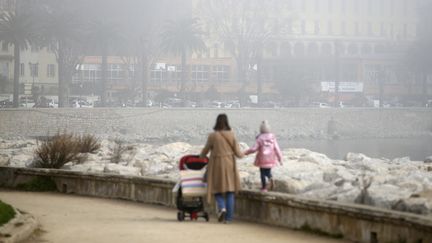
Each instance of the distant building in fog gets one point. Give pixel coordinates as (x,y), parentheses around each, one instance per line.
(38,68)
(371,36)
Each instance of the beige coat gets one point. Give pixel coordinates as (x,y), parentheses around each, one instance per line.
(222,173)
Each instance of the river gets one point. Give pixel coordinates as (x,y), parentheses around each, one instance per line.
(417,148)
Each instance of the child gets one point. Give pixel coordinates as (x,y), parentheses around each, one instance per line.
(268,154)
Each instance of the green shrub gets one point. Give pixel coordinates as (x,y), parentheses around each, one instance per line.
(6,213)
(38,184)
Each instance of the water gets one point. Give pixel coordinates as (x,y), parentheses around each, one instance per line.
(417,148)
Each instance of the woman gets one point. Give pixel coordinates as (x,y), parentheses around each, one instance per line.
(222,175)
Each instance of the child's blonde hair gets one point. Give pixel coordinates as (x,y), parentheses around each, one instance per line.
(265,127)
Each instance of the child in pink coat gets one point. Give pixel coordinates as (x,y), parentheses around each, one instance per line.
(268,154)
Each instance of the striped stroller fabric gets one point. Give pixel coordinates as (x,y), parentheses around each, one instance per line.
(192,183)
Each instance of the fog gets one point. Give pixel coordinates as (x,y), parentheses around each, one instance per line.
(256,53)
(223,54)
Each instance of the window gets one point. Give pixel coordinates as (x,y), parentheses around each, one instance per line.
(330,6)
(5,46)
(220,73)
(383,31)
(317,6)
(356,28)
(343,6)
(6,5)
(216,51)
(116,71)
(370,29)
(330,28)
(158,74)
(317,27)
(34,69)
(303,27)
(356,6)
(200,73)
(343,28)
(22,69)
(51,70)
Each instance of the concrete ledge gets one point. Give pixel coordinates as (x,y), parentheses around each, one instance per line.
(353,222)
(19,228)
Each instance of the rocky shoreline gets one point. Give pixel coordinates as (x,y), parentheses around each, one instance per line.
(399,184)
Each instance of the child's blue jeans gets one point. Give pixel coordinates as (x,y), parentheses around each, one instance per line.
(265,172)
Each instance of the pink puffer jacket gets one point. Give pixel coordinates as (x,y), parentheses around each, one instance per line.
(268,151)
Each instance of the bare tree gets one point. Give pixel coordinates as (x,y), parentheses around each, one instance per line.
(243,27)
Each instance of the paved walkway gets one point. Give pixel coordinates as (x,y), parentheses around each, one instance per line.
(71,219)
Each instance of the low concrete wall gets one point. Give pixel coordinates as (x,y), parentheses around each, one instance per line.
(354,222)
(144,124)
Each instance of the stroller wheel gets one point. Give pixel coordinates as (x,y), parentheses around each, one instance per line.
(206,216)
(180,216)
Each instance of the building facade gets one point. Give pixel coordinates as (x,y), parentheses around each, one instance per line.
(38,68)
(360,44)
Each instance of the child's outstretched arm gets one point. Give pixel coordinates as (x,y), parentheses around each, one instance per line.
(252,149)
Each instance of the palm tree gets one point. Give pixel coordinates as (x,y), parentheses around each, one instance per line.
(103,36)
(16,30)
(182,38)
(62,29)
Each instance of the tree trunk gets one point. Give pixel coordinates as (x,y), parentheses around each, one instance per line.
(144,78)
(337,74)
(61,75)
(425,89)
(259,81)
(16,75)
(104,68)
(184,71)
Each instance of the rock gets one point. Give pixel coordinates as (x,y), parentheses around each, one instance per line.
(414,205)
(347,195)
(315,158)
(304,172)
(428,160)
(289,185)
(386,195)
(402,160)
(173,150)
(121,170)
(356,157)
(20,160)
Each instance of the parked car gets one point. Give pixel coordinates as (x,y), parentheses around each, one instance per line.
(320,105)
(27,102)
(81,104)
(6,103)
(217,104)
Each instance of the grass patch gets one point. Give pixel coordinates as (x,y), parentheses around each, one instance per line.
(314,231)
(38,184)
(6,213)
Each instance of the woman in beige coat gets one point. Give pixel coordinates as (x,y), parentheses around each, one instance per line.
(222,174)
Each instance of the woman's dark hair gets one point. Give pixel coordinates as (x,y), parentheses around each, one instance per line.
(222,123)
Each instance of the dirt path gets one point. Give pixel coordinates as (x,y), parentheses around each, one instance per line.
(71,219)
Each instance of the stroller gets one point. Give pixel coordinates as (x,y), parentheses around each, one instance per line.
(189,201)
